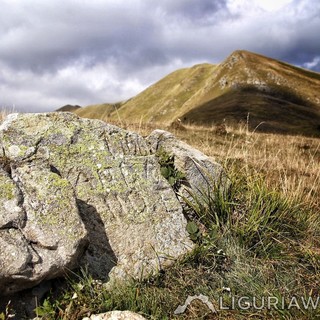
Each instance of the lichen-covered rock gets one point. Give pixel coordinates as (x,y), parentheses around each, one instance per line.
(63,165)
(11,213)
(41,233)
(202,175)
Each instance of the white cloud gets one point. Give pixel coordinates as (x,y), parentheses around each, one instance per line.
(83,52)
(272,5)
(312,64)
(73,84)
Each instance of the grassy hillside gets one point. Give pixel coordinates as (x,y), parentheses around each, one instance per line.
(263,112)
(277,97)
(98,111)
(169,98)
(285,98)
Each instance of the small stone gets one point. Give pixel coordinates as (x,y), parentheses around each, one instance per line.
(116,315)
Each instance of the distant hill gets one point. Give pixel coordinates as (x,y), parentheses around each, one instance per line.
(68,108)
(96,111)
(273,95)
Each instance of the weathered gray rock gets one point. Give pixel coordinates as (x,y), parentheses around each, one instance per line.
(116,315)
(11,213)
(202,174)
(41,233)
(74,179)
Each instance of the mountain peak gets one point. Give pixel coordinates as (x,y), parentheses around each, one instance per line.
(244,57)
(281,96)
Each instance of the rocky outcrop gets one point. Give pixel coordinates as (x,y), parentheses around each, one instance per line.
(79,192)
(82,191)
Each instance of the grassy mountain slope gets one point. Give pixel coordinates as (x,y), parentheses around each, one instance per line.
(262,112)
(243,70)
(168,98)
(277,96)
(98,111)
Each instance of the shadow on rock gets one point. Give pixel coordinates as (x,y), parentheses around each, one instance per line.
(99,258)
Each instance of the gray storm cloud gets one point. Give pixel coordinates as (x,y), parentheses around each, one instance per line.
(58,52)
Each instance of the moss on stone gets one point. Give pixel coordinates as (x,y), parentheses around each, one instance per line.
(7,190)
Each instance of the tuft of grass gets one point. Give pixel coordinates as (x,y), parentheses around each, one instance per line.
(8,312)
(168,170)
(289,164)
(2,115)
(5,111)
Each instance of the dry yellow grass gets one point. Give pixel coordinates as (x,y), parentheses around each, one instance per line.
(4,112)
(2,115)
(290,164)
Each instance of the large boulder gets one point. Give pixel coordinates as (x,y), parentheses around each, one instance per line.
(82,188)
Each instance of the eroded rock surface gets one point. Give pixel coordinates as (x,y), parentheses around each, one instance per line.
(72,184)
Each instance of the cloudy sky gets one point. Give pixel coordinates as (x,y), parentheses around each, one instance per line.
(57,52)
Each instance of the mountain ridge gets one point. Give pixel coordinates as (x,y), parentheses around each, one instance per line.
(277,96)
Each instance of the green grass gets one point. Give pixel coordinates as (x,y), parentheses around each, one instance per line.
(253,242)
